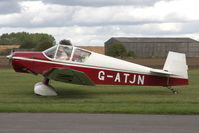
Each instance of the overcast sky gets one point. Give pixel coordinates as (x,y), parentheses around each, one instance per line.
(92,22)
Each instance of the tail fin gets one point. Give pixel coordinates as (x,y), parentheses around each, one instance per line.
(176,64)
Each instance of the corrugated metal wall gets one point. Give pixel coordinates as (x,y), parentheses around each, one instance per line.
(148,47)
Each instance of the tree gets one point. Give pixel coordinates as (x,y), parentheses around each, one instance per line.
(65,42)
(25,39)
(117,49)
(43,46)
(36,39)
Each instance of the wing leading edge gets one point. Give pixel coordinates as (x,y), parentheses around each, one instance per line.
(68,76)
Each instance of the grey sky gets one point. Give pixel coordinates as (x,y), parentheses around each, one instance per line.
(92,22)
(98,3)
(9,6)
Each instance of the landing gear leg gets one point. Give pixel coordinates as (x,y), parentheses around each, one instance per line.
(44,89)
(173,90)
(46,81)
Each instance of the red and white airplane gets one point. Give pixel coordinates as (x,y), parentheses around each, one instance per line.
(79,66)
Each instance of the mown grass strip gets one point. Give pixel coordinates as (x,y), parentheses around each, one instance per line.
(16,95)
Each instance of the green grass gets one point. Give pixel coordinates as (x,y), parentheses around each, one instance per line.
(16,95)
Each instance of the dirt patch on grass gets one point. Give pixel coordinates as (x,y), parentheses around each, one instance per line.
(3,47)
(4,63)
(97,49)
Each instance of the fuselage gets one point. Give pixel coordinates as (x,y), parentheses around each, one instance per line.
(100,69)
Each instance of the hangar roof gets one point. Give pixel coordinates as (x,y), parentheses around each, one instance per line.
(151,39)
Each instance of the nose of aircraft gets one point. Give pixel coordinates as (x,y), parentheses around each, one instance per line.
(10,56)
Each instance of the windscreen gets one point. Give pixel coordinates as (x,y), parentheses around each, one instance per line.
(50,52)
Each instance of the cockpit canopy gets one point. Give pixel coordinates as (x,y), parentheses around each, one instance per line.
(67,53)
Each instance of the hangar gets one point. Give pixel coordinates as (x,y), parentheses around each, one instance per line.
(156,47)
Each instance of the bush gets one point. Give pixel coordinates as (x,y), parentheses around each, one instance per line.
(131,54)
(117,49)
(65,42)
(43,46)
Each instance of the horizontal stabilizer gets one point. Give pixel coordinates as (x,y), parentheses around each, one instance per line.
(160,72)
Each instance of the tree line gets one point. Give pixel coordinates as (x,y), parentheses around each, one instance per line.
(26,40)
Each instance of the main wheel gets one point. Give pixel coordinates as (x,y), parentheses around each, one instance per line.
(44,90)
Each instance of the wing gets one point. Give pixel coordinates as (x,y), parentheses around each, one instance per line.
(68,76)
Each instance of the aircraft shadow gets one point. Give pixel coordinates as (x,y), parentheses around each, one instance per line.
(140,92)
(79,94)
(73,93)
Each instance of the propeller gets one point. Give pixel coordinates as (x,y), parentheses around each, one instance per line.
(10,56)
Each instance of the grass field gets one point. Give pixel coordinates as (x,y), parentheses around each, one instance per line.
(16,95)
